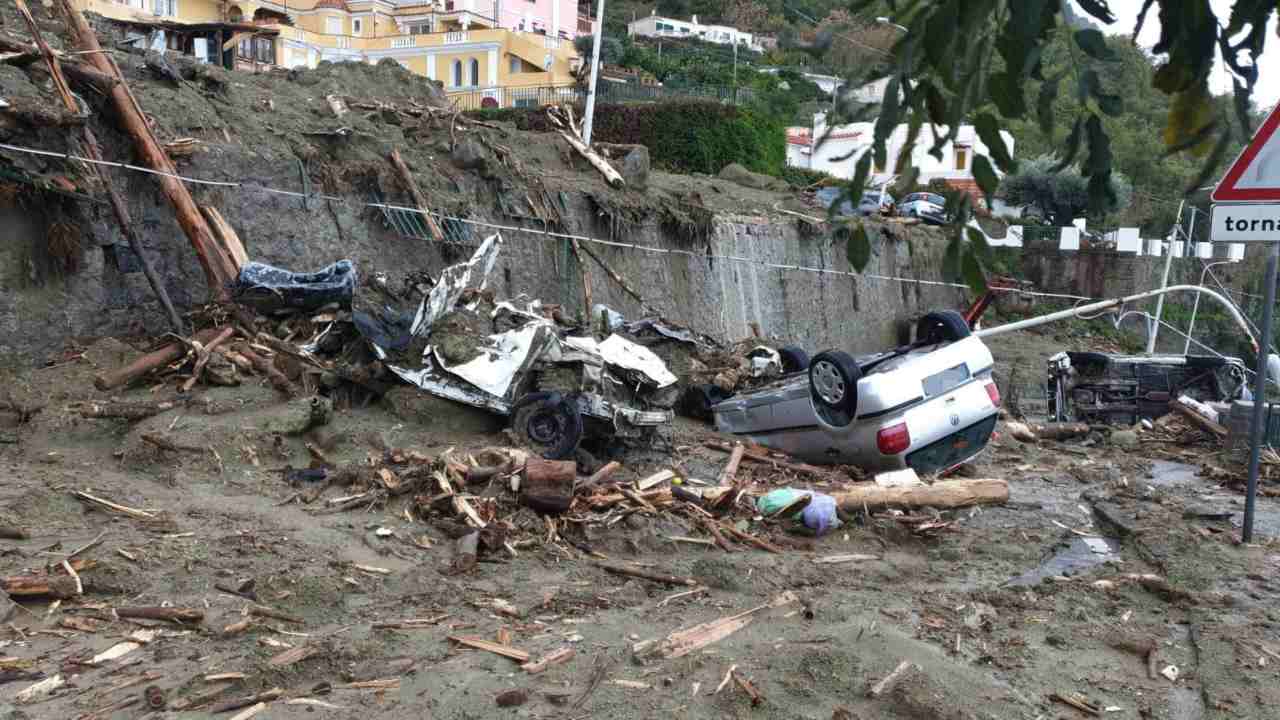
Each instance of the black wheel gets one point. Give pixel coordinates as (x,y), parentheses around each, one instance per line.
(698,400)
(794,359)
(833,385)
(941,326)
(549,422)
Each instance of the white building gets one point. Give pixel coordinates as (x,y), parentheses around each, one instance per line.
(660,27)
(846,144)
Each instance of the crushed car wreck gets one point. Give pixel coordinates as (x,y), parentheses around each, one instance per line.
(512,359)
(930,406)
(1102,388)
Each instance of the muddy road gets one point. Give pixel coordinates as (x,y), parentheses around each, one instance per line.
(1112,583)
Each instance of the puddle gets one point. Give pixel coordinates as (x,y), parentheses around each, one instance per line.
(1080,555)
(1168,474)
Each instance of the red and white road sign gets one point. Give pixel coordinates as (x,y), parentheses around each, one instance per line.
(1255,175)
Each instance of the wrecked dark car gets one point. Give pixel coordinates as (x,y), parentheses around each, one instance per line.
(1123,389)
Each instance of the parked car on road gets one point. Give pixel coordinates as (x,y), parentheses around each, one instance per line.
(873,202)
(930,406)
(929,207)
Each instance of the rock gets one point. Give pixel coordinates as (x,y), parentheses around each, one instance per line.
(9,712)
(735,173)
(411,405)
(7,607)
(635,168)
(1124,438)
(298,416)
(468,155)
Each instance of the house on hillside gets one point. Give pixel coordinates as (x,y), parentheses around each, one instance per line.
(846,144)
(483,52)
(656,26)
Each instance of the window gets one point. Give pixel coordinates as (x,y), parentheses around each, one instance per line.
(264,50)
(333,25)
(357,26)
(475,72)
(457,73)
(514,66)
(962,158)
(165,8)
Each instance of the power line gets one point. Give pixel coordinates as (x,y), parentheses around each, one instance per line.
(700,256)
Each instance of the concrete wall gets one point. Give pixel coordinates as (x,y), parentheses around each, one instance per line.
(41,313)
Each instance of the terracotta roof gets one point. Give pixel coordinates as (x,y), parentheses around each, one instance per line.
(333,5)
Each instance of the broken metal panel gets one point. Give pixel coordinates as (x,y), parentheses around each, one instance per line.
(453,281)
(507,357)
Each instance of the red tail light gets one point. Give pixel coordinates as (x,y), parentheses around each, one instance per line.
(993,392)
(893,440)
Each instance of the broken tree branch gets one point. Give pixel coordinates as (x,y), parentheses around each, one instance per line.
(420,200)
(646,575)
(944,494)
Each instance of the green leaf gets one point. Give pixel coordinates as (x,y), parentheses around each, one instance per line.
(1097,166)
(1109,104)
(1006,90)
(888,120)
(989,131)
(1073,147)
(936,104)
(1094,43)
(986,177)
(971,269)
(1098,9)
(978,241)
(1044,103)
(858,248)
(1189,116)
(1210,167)
(951,258)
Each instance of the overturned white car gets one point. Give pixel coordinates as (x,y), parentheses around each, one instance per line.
(929,406)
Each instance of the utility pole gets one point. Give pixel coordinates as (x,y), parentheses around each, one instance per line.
(595,72)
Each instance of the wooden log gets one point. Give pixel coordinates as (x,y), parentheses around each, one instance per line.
(944,494)
(728,479)
(505,651)
(622,283)
(263,697)
(1031,432)
(1199,420)
(888,681)
(757,456)
(548,484)
(646,575)
(94,151)
(147,363)
(265,367)
(217,267)
(586,280)
(202,357)
(600,476)
(226,235)
(556,657)
(172,614)
(420,200)
(54,586)
(12,532)
(611,176)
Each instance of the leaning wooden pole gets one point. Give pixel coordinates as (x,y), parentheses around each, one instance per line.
(92,149)
(218,268)
(406,179)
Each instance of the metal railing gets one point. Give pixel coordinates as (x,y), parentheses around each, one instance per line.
(539,96)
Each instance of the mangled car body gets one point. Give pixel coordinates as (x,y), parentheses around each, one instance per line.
(510,358)
(1103,388)
(929,406)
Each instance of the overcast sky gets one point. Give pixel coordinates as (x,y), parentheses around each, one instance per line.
(1267,90)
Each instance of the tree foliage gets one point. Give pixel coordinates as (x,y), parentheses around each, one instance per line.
(1057,197)
(976,61)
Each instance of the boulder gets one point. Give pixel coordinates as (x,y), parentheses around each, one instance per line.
(296,416)
(468,155)
(412,405)
(739,175)
(635,168)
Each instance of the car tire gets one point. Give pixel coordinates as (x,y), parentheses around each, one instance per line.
(549,422)
(794,359)
(941,326)
(833,385)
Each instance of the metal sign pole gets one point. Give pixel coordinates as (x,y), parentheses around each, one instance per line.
(1260,394)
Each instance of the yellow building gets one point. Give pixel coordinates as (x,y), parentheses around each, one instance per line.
(476,61)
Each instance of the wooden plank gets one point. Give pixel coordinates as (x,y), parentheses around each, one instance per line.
(505,651)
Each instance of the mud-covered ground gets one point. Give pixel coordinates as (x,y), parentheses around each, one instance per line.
(1014,604)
